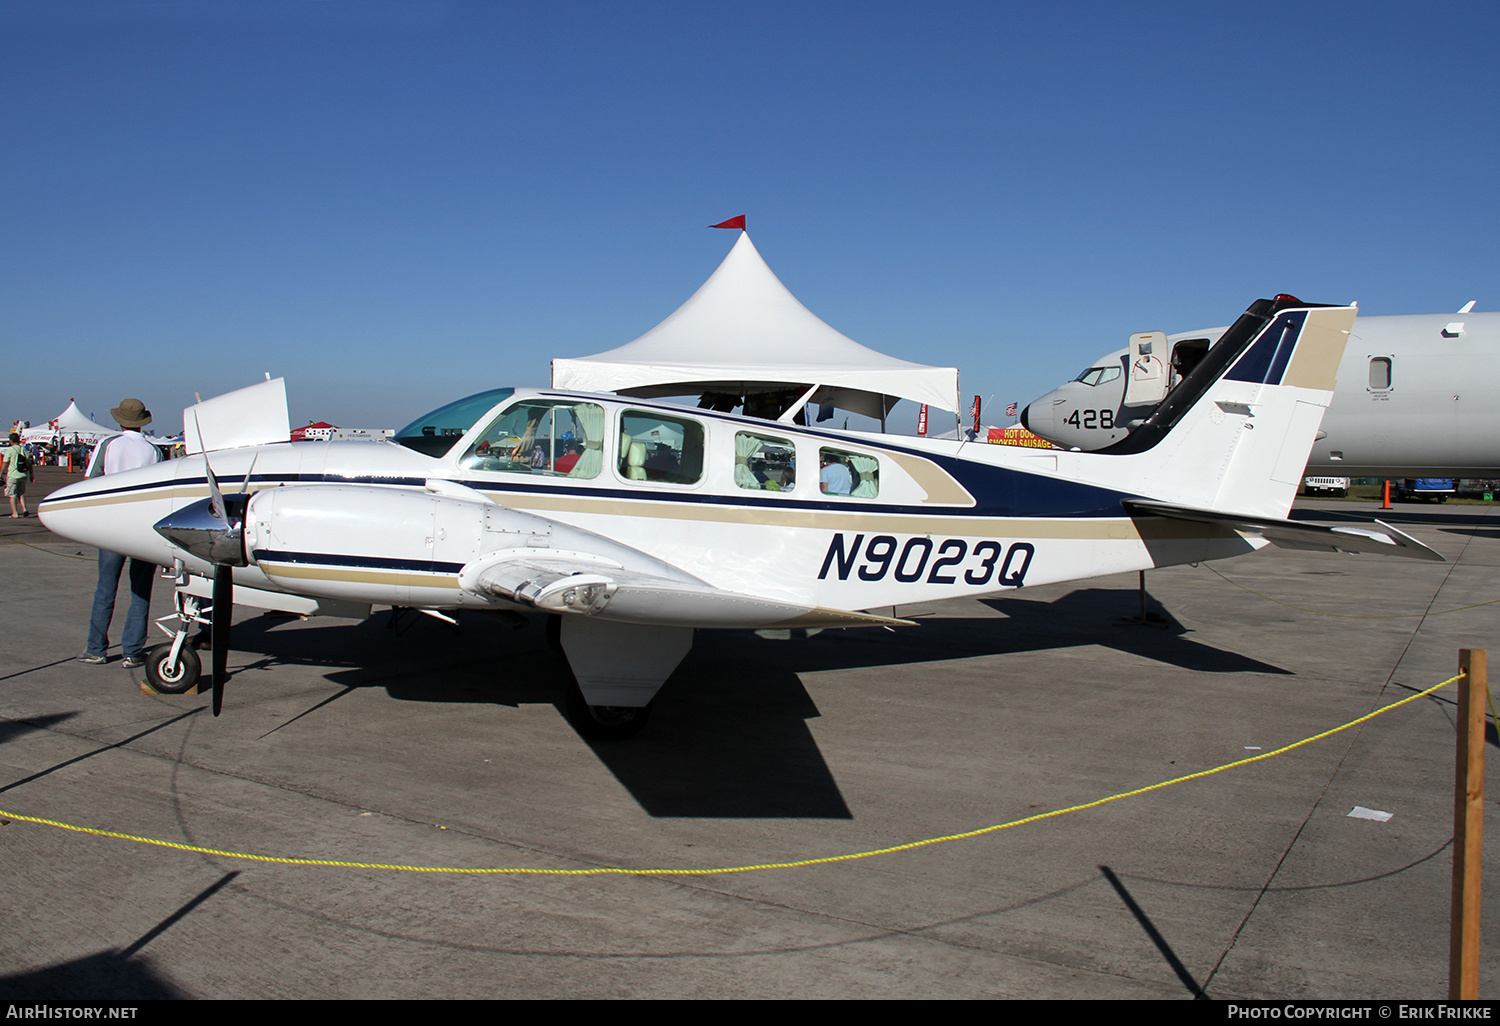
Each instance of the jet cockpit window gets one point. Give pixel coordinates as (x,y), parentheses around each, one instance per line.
(1099,375)
(433,434)
(658,448)
(848,473)
(764,463)
(551,437)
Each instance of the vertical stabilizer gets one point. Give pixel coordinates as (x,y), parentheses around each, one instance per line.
(1235,434)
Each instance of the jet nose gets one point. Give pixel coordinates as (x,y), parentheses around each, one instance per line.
(1038,417)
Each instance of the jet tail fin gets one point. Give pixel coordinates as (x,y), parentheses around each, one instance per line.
(1235,434)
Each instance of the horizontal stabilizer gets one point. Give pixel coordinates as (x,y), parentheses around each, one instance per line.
(1386,541)
(570,582)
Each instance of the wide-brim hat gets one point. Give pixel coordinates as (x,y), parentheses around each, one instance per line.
(131,413)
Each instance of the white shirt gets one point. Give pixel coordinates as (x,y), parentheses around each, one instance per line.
(125,451)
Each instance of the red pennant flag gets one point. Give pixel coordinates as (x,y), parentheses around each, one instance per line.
(733,222)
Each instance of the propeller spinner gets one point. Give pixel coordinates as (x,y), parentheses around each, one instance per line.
(213,530)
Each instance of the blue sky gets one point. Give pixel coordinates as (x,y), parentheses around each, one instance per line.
(395,204)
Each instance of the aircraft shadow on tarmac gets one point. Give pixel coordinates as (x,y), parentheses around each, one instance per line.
(106,976)
(1398,517)
(1473,532)
(113,975)
(15,728)
(729,736)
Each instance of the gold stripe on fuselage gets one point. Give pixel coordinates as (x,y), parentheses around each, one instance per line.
(957,524)
(171,491)
(412,578)
(1112,529)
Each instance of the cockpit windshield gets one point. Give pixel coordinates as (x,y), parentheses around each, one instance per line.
(433,434)
(1098,375)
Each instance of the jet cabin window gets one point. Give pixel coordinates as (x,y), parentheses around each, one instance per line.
(1380,372)
(848,473)
(551,437)
(1098,375)
(658,448)
(764,463)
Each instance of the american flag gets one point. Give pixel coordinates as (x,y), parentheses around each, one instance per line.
(1010,411)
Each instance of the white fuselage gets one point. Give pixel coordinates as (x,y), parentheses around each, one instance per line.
(938,519)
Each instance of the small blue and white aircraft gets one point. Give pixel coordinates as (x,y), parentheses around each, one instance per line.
(635,522)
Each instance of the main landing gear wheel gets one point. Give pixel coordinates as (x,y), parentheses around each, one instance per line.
(172,678)
(605,722)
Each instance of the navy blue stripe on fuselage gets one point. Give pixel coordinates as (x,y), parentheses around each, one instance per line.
(997,491)
(427,566)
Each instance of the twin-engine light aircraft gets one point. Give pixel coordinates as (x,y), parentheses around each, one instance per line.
(634,523)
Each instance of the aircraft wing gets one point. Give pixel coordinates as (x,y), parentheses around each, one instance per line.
(1386,541)
(577,583)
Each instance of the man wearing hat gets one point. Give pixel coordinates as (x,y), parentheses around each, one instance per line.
(117,454)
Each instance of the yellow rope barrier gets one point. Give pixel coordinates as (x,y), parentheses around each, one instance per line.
(825,860)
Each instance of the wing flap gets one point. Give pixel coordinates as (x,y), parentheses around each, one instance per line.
(1384,540)
(579,584)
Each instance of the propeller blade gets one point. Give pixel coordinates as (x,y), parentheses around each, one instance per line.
(223,615)
(245,488)
(215,496)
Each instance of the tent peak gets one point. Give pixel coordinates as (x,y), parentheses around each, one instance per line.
(744,328)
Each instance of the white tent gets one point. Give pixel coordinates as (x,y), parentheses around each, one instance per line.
(69,424)
(742,332)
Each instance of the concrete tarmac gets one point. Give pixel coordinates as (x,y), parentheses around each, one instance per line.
(428,745)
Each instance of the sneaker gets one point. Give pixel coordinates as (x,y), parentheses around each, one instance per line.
(134,661)
(92,660)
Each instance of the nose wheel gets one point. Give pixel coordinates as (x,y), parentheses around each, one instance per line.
(174,668)
(173,676)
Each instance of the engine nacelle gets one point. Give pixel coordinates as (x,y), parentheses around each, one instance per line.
(387,546)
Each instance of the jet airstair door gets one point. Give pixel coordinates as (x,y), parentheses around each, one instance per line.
(1146,384)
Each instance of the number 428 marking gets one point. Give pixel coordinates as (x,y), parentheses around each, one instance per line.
(953,558)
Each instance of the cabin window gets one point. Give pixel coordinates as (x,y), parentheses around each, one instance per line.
(764,462)
(1380,372)
(658,448)
(848,473)
(550,437)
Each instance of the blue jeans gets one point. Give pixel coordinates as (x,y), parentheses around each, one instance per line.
(141,576)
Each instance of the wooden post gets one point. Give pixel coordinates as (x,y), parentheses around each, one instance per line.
(1468,827)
